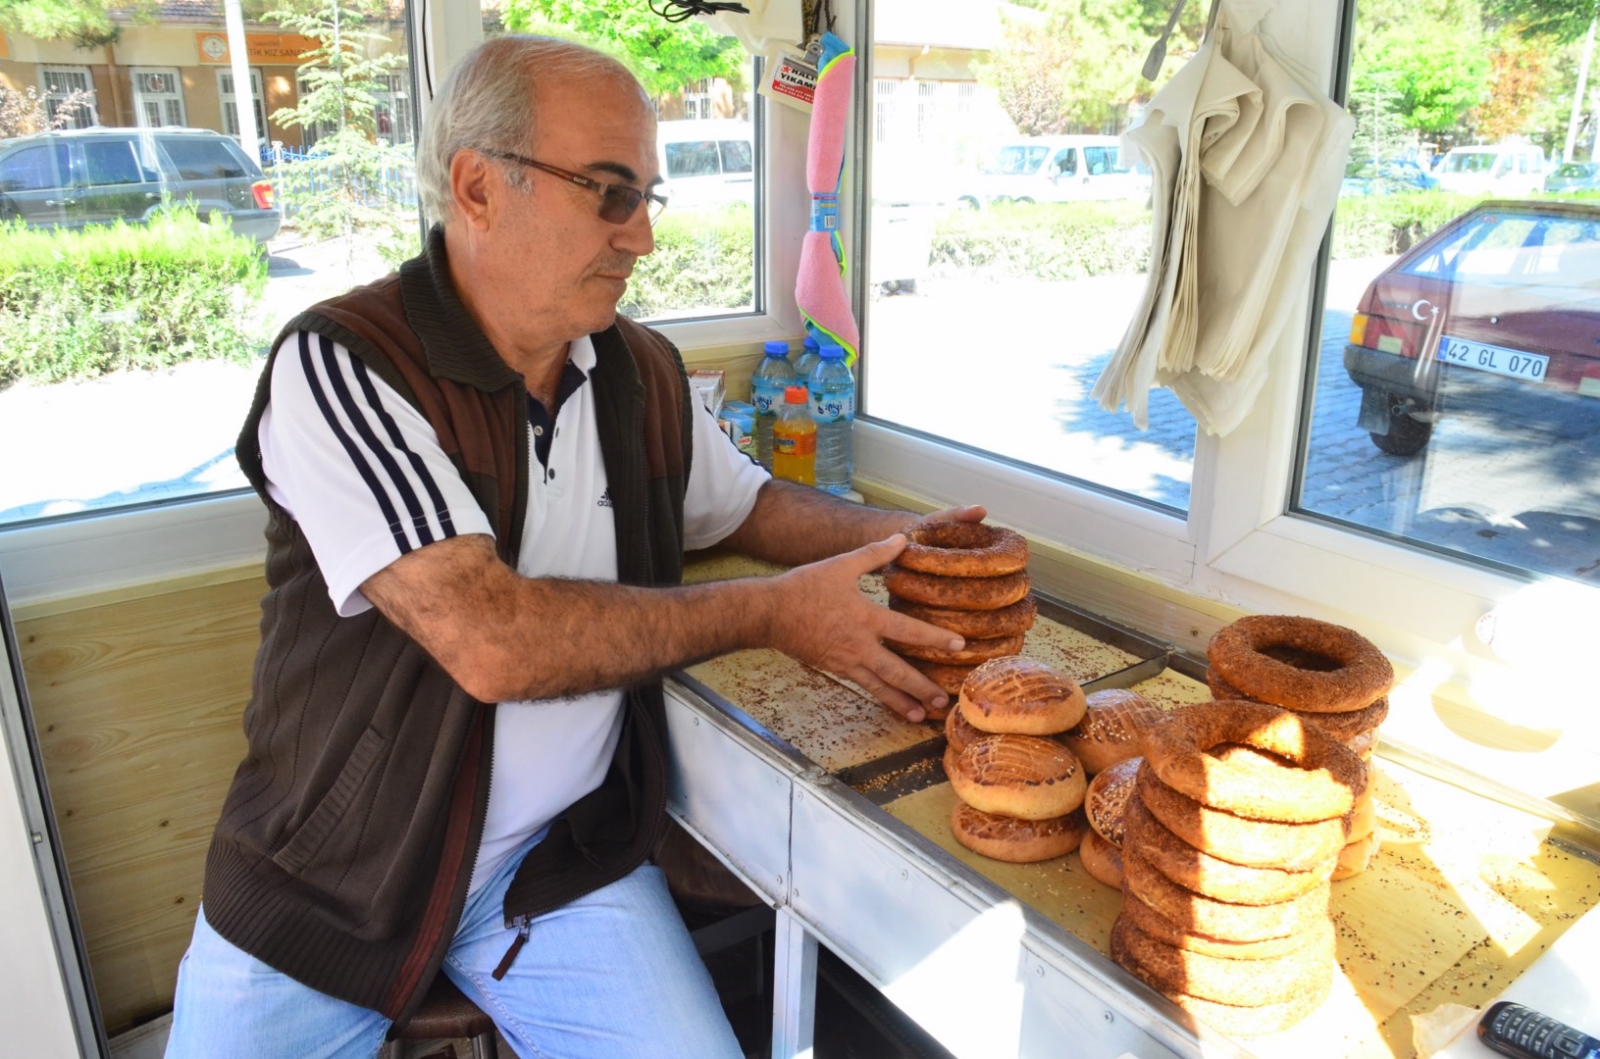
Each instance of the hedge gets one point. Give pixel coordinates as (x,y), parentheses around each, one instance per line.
(1066,241)
(703,260)
(77,304)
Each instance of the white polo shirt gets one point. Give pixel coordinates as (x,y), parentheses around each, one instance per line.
(362,472)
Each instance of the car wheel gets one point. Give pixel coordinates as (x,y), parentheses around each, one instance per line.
(1406,436)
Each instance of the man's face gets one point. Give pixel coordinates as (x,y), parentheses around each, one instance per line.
(569,265)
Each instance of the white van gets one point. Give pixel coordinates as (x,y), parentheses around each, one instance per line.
(1492,169)
(706,162)
(1057,169)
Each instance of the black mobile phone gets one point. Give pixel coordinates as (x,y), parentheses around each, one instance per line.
(1517,1030)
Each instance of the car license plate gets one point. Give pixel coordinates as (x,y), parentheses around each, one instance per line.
(1495,359)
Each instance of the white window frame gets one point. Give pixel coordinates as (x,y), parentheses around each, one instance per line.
(230,116)
(84,118)
(160,99)
(1237,546)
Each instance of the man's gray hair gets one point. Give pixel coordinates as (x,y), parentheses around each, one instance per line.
(487,101)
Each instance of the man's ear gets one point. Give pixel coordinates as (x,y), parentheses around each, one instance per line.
(472,186)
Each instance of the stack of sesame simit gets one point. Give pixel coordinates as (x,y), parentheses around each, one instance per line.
(1019,792)
(1331,676)
(970,578)
(1237,820)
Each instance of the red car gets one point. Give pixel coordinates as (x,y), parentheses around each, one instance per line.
(1507,294)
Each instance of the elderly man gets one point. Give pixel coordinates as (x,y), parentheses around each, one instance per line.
(481,482)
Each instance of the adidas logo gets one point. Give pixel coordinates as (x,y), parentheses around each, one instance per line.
(605,498)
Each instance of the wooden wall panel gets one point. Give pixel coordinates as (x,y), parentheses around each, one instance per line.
(138,703)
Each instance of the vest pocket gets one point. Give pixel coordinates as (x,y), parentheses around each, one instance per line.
(313,834)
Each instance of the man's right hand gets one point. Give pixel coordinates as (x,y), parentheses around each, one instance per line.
(819,616)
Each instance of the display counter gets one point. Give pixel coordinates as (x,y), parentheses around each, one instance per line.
(836,811)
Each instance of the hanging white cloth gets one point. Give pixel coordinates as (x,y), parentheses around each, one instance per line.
(1246,159)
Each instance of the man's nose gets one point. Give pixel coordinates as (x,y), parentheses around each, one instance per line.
(636,237)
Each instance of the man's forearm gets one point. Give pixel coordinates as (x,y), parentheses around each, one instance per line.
(793,524)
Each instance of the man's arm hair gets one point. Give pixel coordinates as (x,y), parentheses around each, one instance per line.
(502,636)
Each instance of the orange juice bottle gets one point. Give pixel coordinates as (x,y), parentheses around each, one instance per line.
(794,438)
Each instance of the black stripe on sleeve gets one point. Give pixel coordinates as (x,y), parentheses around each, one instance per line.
(397,441)
(398,481)
(357,458)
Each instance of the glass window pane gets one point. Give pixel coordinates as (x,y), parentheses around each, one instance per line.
(1010,239)
(704,264)
(126,394)
(1456,394)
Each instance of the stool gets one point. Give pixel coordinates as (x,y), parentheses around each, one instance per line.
(446,1014)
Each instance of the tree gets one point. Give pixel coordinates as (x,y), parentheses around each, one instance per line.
(22,113)
(340,80)
(1434,78)
(1517,79)
(664,56)
(1070,64)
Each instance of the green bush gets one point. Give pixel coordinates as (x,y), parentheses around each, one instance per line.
(1375,225)
(77,304)
(1057,241)
(703,260)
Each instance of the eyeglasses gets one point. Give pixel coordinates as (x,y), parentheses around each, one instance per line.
(617,201)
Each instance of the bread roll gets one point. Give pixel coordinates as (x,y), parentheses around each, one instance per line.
(1016,841)
(1112,729)
(1101,859)
(1019,775)
(1021,696)
(1106,800)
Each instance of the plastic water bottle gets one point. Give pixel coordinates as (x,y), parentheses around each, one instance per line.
(806,362)
(833,409)
(794,439)
(772,376)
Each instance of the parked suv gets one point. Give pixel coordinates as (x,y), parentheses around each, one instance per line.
(80,177)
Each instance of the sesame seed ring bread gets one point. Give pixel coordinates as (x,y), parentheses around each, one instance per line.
(1235,839)
(1220,919)
(1016,841)
(1018,775)
(1210,876)
(1021,696)
(1363,744)
(1363,820)
(981,624)
(1255,760)
(1356,857)
(1246,983)
(958,731)
(1156,925)
(1113,728)
(973,652)
(1300,663)
(956,593)
(1342,726)
(1106,800)
(1101,860)
(964,549)
(1232,1019)
(948,678)
(1255,1021)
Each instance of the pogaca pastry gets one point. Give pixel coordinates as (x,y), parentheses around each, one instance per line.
(1113,728)
(1105,804)
(1021,696)
(1018,775)
(1015,840)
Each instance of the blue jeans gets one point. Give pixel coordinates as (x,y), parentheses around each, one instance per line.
(612,974)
